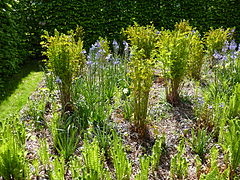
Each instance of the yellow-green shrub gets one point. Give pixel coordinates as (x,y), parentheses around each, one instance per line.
(65,60)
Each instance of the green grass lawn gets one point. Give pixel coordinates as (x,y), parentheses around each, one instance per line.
(14,103)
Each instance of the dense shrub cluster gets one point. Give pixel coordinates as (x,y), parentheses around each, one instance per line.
(12,40)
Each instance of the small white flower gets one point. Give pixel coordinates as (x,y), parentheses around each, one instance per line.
(125,90)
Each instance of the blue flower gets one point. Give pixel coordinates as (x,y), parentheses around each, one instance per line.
(216,55)
(109,57)
(89,62)
(115,46)
(116,62)
(233,45)
(58,80)
(126,46)
(225,47)
(89,57)
(101,51)
(97,44)
(158,32)
(200,100)
(210,107)
(84,51)
(234,55)
(224,58)
(221,105)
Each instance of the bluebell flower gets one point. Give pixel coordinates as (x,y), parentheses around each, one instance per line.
(115,43)
(58,80)
(101,51)
(200,100)
(233,45)
(216,55)
(116,62)
(158,32)
(193,31)
(210,107)
(109,57)
(89,57)
(98,55)
(225,47)
(221,105)
(97,44)
(115,46)
(84,51)
(234,55)
(89,62)
(224,58)
(92,49)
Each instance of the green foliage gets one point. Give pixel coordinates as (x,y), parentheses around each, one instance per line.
(199,142)
(196,55)
(107,18)
(44,154)
(231,143)
(196,52)
(58,171)
(75,167)
(143,41)
(179,165)
(13,164)
(172,54)
(36,108)
(214,41)
(214,173)
(122,165)
(143,37)
(65,60)
(156,152)
(12,51)
(234,102)
(65,135)
(144,168)
(93,165)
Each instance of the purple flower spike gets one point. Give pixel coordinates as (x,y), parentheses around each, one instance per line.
(233,45)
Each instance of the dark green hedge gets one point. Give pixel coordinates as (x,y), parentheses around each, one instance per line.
(12,40)
(105,18)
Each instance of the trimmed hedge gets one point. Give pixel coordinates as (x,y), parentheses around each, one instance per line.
(107,18)
(102,18)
